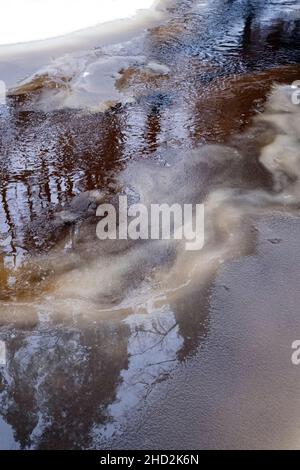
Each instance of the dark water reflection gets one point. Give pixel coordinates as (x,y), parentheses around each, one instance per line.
(68,383)
(72,384)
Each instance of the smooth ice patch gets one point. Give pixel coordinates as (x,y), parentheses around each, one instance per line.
(2,353)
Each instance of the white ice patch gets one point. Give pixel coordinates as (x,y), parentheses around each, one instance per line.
(2,92)
(282,156)
(2,354)
(32,20)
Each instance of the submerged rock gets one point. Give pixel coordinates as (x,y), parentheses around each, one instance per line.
(79,81)
(38,83)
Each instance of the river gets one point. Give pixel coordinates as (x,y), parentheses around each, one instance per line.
(122,344)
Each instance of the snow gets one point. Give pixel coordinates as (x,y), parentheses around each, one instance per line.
(31,20)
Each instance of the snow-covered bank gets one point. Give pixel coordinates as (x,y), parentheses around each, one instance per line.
(32,20)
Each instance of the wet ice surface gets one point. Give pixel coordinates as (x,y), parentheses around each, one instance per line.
(102,341)
(240,390)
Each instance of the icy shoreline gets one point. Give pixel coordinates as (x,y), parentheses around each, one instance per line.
(25,21)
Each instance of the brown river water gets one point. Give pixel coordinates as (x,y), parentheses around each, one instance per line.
(114,344)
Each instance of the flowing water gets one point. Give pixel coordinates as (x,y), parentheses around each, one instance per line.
(144,344)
